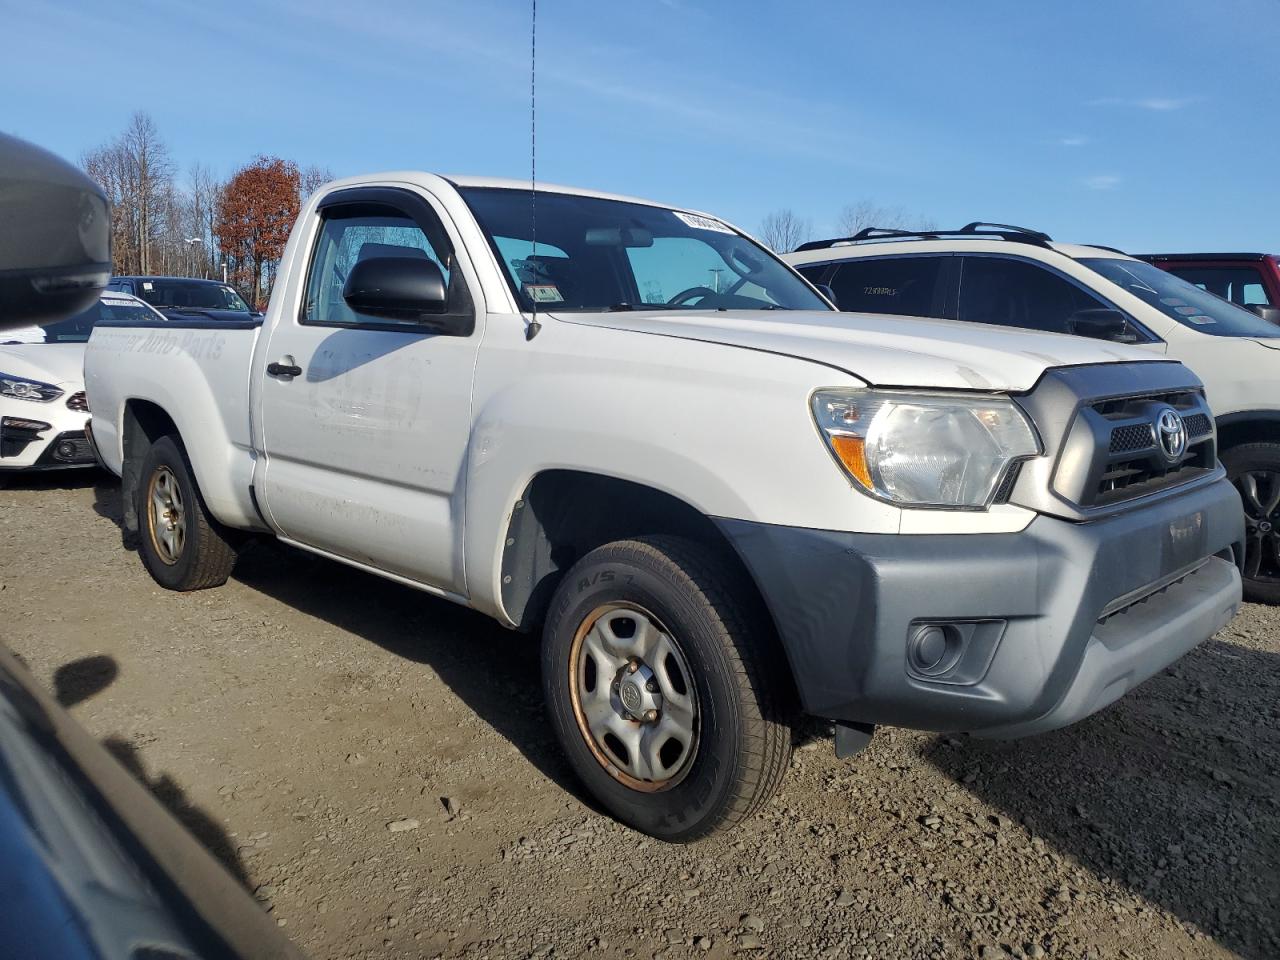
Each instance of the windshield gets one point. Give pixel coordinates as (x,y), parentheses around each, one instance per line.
(190,294)
(595,254)
(78,328)
(1184,302)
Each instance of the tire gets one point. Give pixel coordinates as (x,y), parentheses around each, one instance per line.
(721,666)
(1255,470)
(183,548)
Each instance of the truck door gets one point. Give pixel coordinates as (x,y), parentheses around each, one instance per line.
(366,421)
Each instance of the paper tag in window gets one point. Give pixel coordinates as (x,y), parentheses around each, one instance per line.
(701,223)
(543,292)
(147,285)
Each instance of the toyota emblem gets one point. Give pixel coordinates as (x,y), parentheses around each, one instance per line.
(1172,433)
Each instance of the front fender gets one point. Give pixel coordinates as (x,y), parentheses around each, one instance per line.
(727,431)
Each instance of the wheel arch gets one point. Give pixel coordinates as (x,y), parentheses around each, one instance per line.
(563,514)
(143,423)
(1248,426)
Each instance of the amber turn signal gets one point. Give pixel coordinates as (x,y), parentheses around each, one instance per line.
(852,453)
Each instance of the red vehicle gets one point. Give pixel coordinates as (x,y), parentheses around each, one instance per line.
(1250,280)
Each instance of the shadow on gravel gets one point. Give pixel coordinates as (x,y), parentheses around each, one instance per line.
(107,504)
(72,479)
(1174,792)
(78,681)
(495,671)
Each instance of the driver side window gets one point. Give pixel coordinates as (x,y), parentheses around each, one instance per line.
(349,235)
(674,265)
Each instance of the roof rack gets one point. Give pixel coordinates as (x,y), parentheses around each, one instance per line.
(978,230)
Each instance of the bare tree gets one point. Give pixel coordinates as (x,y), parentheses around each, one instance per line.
(107,165)
(865,213)
(136,173)
(311,179)
(203,195)
(152,172)
(783,231)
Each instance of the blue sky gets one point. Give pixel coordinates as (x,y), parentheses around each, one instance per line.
(1132,123)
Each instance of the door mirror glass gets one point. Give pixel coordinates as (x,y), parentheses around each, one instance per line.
(1267,312)
(408,289)
(1101,324)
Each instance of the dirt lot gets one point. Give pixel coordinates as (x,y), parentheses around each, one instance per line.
(375,765)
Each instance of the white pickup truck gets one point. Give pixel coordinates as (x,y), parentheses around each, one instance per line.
(722,503)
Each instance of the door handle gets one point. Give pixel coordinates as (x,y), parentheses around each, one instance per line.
(283,370)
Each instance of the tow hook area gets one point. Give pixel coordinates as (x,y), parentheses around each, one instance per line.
(852,738)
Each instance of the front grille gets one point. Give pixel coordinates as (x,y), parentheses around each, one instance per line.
(1114,451)
(1135,436)
(1198,425)
(78,401)
(1132,478)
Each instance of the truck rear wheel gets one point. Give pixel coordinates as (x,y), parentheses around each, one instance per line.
(1255,470)
(182,547)
(664,686)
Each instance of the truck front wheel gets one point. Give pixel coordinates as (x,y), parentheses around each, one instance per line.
(182,547)
(665,688)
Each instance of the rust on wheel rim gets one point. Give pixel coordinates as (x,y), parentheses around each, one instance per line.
(634,697)
(166,516)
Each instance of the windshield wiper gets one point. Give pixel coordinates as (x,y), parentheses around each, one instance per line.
(627,307)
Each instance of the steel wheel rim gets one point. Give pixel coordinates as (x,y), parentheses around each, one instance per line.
(166,516)
(1260,491)
(634,697)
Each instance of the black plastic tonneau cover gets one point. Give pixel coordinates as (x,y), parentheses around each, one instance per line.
(185,323)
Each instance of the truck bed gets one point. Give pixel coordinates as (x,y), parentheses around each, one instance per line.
(198,373)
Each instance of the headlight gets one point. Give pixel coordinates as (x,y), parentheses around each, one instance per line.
(925,450)
(20,388)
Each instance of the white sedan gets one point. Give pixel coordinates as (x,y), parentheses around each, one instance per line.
(42,405)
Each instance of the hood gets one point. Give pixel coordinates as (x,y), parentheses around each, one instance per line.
(884,351)
(1269,344)
(61,364)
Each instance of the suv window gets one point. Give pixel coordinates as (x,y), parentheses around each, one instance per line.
(1240,285)
(347,236)
(906,286)
(1016,293)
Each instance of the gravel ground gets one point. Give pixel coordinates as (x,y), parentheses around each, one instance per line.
(374,764)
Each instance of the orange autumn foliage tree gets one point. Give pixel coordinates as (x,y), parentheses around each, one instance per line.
(256,211)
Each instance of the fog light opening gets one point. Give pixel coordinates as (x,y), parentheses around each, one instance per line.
(934,648)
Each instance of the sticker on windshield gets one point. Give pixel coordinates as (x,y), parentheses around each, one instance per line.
(1173,302)
(701,223)
(1202,320)
(1187,311)
(543,292)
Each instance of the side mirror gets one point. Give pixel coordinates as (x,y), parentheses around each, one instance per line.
(55,236)
(827,292)
(1101,324)
(408,289)
(1267,312)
